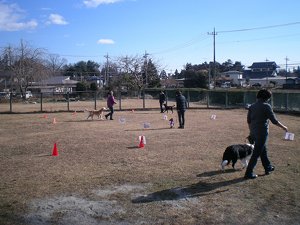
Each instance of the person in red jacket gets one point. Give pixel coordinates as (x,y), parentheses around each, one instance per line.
(110,105)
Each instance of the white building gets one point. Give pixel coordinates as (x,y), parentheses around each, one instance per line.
(235,77)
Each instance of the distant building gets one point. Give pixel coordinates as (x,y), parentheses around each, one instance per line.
(172,83)
(234,77)
(261,70)
(57,84)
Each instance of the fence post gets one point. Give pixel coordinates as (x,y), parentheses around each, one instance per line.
(68,101)
(287,102)
(120,99)
(166,94)
(41,98)
(189,98)
(95,100)
(226,99)
(143,98)
(10,102)
(272,101)
(207,99)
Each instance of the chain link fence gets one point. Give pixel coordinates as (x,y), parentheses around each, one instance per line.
(147,99)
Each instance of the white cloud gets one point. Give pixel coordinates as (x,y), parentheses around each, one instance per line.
(11,18)
(105,42)
(96,3)
(56,19)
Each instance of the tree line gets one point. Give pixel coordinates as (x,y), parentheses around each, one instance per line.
(23,65)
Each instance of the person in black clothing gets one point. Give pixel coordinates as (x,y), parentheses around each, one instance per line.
(181,106)
(258,118)
(162,99)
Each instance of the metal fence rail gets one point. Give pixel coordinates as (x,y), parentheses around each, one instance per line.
(282,100)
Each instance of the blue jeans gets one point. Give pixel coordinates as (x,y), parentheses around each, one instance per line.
(181,118)
(110,114)
(260,150)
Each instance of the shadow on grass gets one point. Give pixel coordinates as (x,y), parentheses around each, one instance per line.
(44,155)
(215,172)
(83,121)
(194,190)
(132,147)
(147,129)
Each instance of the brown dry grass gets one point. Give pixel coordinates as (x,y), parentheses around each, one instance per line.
(101,177)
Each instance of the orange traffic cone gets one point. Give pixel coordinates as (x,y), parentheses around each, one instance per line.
(45,116)
(142,144)
(55,151)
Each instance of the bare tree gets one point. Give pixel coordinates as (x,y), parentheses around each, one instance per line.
(55,63)
(131,67)
(25,64)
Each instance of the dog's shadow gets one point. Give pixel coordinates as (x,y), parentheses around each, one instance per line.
(148,129)
(215,172)
(201,188)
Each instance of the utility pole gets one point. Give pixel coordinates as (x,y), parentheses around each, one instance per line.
(106,77)
(214,45)
(286,59)
(146,69)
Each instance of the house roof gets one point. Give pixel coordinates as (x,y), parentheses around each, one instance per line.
(262,65)
(58,80)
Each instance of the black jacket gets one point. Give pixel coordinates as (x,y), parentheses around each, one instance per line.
(181,103)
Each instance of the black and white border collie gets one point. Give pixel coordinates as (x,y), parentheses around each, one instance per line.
(241,152)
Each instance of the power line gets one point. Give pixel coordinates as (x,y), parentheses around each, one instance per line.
(259,39)
(260,28)
(180,46)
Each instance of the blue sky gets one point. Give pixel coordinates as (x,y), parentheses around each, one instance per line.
(172,32)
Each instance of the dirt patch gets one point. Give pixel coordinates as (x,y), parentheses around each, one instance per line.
(101,176)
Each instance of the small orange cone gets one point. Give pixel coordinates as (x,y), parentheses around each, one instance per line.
(142,145)
(55,151)
(54,120)
(45,116)
(132,110)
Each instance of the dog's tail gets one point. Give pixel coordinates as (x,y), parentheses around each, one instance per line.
(223,164)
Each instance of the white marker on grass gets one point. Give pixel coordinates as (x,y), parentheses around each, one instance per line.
(122,120)
(289,136)
(213,117)
(146,125)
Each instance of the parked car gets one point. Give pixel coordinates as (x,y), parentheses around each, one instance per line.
(4,95)
(226,85)
(28,94)
(256,85)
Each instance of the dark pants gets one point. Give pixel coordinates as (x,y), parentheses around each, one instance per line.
(181,117)
(110,114)
(260,150)
(161,107)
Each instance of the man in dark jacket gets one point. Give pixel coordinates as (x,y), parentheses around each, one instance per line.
(259,115)
(181,106)
(162,99)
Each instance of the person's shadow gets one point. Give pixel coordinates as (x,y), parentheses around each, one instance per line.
(201,188)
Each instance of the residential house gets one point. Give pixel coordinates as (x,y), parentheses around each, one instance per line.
(57,84)
(261,70)
(235,78)
(172,83)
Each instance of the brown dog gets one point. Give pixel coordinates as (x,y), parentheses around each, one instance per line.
(93,113)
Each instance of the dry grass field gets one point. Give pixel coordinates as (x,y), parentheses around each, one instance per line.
(101,176)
